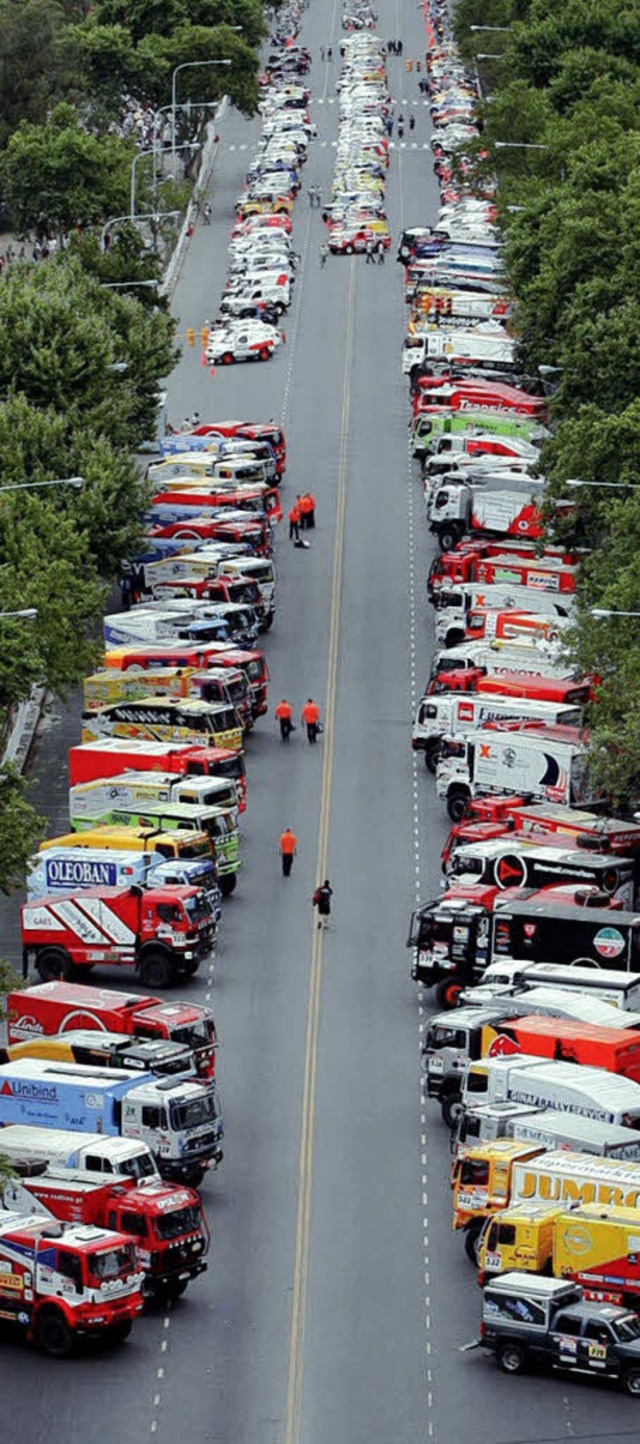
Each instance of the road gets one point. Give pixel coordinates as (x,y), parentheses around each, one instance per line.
(337,1298)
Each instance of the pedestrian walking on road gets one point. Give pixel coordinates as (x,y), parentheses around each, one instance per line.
(322,901)
(329,52)
(412,122)
(207,214)
(294,522)
(283,714)
(307,512)
(324,252)
(288,845)
(369,253)
(381,255)
(322,52)
(311,719)
(312,197)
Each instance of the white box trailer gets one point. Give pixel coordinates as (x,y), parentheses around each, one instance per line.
(453,605)
(511,975)
(565,1087)
(549,764)
(452,714)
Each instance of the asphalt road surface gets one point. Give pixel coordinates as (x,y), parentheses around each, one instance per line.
(337,1297)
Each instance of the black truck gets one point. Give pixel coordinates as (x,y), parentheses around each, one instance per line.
(530,1322)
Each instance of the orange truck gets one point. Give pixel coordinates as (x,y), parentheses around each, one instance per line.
(566,1041)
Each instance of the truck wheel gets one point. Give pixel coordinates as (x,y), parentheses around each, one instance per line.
(190,969)
(193,1175)
(156,970)
(169,1292)
(53,1334)
(451,1109)
(471,1241)
(447,993)
(448,538)
(228,884)
(53,964)
(455,638)
(431,756)
(511,1358)
(631,1382)
(456,804)
(268,622)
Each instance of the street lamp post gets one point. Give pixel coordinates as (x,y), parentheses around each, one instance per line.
(186,65)
(185,105)
(574,481)
(28,612)
(518,144)
(495,29)
(601,612)
(148,216)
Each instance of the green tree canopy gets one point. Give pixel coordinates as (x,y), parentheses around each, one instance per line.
(57,175)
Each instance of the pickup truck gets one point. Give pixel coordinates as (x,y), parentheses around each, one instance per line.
(545,1323)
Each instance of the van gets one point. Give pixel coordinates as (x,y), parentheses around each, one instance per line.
(164,719)
(218,823)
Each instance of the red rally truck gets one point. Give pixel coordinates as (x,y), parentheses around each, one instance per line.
(109,756)
(162,932)
(166,1220)
(58,1007)
(60,1284)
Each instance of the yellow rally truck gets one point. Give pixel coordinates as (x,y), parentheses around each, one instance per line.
(219,823)
(594,1246)
(496,1176)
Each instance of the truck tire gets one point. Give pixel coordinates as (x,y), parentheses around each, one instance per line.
(228,884)
(53,1334)
(169,1292)
(53,964)
(471,1241)
(448,537)
(156,969)
(631,1383)
(448,992)
(456,637)
(431,756)
(452,1107)
(456,803)
(119,1332)
(511,1358)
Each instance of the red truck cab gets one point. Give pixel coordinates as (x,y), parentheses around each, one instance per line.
(109,756)
(57,1007)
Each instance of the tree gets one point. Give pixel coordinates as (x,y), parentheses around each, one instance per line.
(20,832)
(159,55)
(162,17)
(37,65)
(57,175)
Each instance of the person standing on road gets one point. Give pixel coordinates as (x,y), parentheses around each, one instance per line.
(412,122)
(308,509)
(324,252)
(322,52)
(311,718)
(294,522)
(322,901)
(369,253)
(381,255)
(283,714)
(288,845)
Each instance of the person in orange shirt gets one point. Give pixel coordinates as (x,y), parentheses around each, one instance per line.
(283,714)
(311,718)
(288,845)
(294,522)
(307,512)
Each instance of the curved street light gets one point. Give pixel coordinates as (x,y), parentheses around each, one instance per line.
(600,612)
(186,65)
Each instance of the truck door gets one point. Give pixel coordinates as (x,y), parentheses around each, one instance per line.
(595,1348)
(565,1342)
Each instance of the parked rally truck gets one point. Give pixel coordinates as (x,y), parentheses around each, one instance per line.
(493,1176)
(594,1246)
(546,1127)
(510,506)
(179,1118)
(548,763)
(114,755)
(167,1221)
(52,1008)
(109,1050)
(454,714)
(86,1153)
(60,1284)
(67,869)
(545,1323)
(161,932)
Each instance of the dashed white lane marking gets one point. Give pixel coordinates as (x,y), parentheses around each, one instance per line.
(232,146)
(243,146)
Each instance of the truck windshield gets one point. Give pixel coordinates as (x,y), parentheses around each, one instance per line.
(221,826)
(474,1171)
(142,1166)
(254,670)
(112,1263)
(197,909)
(181,1220)
(467,866)
(439,1036)
(191,850)
(197,1035)
(193,1114)
(223,720)
(627,1328)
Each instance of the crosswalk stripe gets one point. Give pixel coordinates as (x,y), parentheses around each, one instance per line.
(231,147)
(323,143)
(414,145)
(243,146)
(320,100)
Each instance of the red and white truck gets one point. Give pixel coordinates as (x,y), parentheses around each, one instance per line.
(60,1284)
(166,1219)
(60,1007)
(562,691)
(503,562)
(502,817)
(111,756)
(547,763)
(452,714)
(163,933)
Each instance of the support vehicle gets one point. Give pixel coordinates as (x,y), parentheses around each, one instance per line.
(107,1050)
(164,719)
(548,932)
(547,763)
(595,1246)
(61,1284)
(219,824)
(66,869)
(163,933)
(110,756)
(179,1118)
(529,1321)
(166,1220)
(452,714)
(52,1008)
(33,1148)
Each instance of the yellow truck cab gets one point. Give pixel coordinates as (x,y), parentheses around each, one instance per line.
(481,1182)
(595,1246)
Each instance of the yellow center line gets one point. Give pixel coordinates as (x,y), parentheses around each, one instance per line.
(305,1163)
